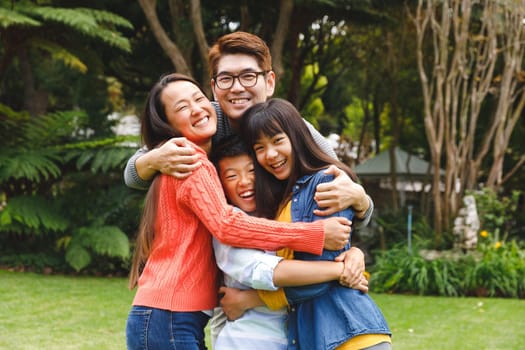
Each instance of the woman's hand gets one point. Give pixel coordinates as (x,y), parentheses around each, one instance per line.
(336,232)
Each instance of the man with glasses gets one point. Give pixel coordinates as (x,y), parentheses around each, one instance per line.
(241,70)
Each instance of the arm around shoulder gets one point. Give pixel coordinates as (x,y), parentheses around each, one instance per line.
(131,177)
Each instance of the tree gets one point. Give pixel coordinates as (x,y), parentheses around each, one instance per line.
(473,64)
(29,30)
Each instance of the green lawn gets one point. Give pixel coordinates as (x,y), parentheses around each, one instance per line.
(59,312)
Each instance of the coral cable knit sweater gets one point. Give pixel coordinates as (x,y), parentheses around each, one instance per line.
(181,274)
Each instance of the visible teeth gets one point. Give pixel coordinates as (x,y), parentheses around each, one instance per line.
(246,194)
(276,165)
(201,121)
(239,101)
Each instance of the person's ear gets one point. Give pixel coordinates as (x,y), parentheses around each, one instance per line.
(270,83)
(212,84)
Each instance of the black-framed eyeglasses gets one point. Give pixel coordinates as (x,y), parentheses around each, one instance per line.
(247,79)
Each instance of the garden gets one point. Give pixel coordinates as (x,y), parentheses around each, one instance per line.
(84,313)
(452,95)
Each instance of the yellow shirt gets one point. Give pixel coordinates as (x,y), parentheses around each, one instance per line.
(276,300)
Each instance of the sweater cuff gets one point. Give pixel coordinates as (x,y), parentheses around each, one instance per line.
(131,177)
(312,239)
(365,220)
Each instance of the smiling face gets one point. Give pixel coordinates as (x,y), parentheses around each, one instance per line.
(237,99)
(274,154)
(190,112)
(238,180)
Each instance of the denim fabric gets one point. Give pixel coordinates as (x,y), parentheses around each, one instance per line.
(340,313)
(302,210)
(155,329)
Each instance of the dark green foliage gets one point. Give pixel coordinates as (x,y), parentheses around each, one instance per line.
(63,193)
(32,215)
(101,240)
(90,22)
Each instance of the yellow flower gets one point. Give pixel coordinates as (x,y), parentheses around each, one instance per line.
(497,245)
(484,234)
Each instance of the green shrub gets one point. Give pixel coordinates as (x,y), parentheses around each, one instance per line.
(493,270)
(400,271)
(497,271)
(62,194)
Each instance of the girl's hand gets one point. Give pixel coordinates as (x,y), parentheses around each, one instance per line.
(354,268)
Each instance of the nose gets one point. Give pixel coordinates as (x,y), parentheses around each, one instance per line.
(271,153)
(237,86)
(196,108)
(246,179)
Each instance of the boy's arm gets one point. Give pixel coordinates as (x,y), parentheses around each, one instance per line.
(251,267)
(343,192)
(321,141)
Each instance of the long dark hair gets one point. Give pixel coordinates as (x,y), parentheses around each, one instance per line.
(280,116)
(155,128)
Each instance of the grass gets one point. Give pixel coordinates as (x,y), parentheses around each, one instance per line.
(61,312)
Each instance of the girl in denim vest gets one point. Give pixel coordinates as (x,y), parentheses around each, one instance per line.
(288,169)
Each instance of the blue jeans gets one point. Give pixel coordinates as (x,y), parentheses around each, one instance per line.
(155,329)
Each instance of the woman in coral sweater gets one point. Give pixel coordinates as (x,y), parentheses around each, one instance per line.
(173,265)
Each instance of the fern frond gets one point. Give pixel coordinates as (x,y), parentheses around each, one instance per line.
(77,256)
(11,133)
(106,240)
(102,240)
(52,128)
(77,20)
(107,18)
(34,165)
(9,18)
(85,22)
(59,53)
(32,214)
(108,159)
(113,38)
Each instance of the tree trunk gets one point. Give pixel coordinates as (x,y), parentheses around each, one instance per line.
(456,84)
(169,47)
(198,29)
(281,32)
(35,101)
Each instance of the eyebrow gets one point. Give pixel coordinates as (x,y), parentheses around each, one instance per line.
(198,92)
(247,70)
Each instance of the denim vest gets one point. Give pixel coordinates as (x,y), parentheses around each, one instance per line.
(336,313)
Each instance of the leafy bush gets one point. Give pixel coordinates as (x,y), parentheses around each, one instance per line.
(62,194)
(498,214)
(499,269)
(492,270)
(495,268)
(400,271)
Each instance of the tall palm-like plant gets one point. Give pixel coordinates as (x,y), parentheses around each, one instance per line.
(61,192)
(60,185)
(31,33)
